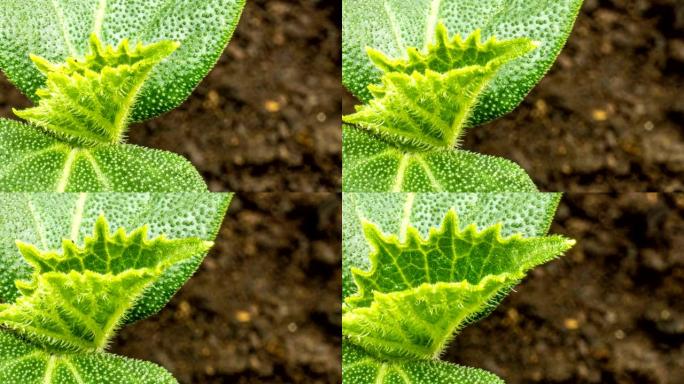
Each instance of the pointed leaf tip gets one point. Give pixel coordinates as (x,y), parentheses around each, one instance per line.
(92,287)
(77,104)
(448,279)
(425,100)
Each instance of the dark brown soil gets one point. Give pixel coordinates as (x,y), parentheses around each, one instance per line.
(610,114)
(610,311)
(265,306)
(267,118)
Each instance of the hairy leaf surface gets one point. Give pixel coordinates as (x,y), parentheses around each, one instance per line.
(77,298)
(393,26)
(360,367)
(373,165)
(75,311)
(426,100)
(88,101)
(57,29)
(33,161)
(26,363)
(46,220)
(529,214)
(418,292)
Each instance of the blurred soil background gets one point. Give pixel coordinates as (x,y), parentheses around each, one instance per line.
(610,114)
(267,117)
(609,312)
(264,307)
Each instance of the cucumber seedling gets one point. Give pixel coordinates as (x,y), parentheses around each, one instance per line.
(93,67)
(428,70)
(407,292)
(69,281)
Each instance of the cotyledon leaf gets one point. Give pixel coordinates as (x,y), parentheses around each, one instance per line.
(392,26)
(57,29)
(373,165)
(33,161)
(419,291)
(87,101)
(45,220)
(360,367)
(529,214)
(26,363)
(425,101)
(77,298)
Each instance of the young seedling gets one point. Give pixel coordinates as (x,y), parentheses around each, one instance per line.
(418,290)
(426,72)
(66,305)
(93,68)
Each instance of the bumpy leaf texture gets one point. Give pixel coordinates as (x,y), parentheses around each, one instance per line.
(33,161)
(46,220)
(26,363)
(418,292)
(88,101)
(391,26)
(77,298)
(57,29)
(404,139)
(83,113)
(371,164)
(359,367)
(424,101)
(529,214)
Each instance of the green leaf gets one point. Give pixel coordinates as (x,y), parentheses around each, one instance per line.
(392,26)
(529,214)
(417,323)
(448,254)
(418,292)
(426,100)
(75,311)
(57,29)
(26,363)
(46,220)
(88,101)
(77,299)
(373,165)
(112,253)
(32,160)
(359,367)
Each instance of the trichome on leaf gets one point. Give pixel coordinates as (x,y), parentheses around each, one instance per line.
(419,292)
(426,100)
(74,59)
(76,299)
(422,88)
(82,117)
(89,101)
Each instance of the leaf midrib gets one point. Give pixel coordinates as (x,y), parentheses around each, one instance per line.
(396,30)
(52,361)
(99,18)
(433,17)
(59,12)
